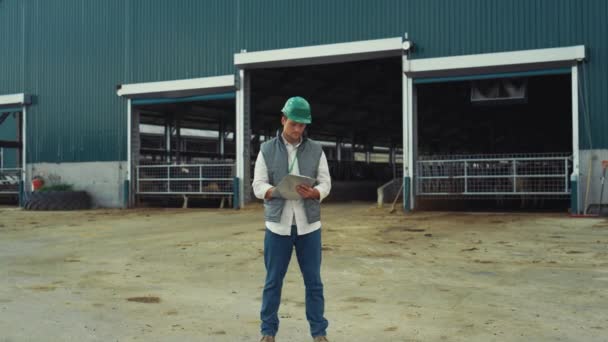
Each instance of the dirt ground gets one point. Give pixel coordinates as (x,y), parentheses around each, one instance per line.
(197,275)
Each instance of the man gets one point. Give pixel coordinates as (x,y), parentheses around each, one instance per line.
(292,223)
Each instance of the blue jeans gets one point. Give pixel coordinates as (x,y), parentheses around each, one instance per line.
(277,254)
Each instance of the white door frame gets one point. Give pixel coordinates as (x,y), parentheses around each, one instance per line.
(238,137)
(523,60)
(300,56)
(169,89)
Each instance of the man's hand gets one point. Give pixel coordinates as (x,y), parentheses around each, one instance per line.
(308,192)
(268,194)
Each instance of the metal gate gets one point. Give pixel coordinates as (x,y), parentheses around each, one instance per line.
(9,181)
(493,175)
(215,179)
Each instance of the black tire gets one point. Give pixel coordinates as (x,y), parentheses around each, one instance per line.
(57,200)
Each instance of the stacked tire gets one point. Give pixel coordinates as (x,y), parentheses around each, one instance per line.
(57,200)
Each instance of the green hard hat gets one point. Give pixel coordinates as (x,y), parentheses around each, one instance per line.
(297,109)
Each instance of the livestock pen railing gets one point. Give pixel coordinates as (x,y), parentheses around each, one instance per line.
(214,179)
(525,175)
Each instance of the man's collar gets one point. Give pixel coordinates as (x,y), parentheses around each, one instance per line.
(288,143)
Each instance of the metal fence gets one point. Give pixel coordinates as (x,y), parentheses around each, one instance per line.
(215,179)
(9,181)
(479,175)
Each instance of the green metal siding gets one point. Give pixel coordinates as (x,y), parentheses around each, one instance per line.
(179,39)
(11,46)
(74,60)
(272,24)
(70,54)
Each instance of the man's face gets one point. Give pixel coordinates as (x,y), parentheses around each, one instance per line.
(292,130)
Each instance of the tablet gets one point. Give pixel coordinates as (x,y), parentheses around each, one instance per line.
(287,186)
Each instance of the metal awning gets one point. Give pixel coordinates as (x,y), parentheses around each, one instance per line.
(178,88)
(13,102)
(321,54)
(491,63)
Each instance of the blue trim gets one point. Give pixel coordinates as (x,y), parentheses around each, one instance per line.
(210,97)
(574,209)
(407,206)
(126,194)
(11,110)
(546,72)
(235,193)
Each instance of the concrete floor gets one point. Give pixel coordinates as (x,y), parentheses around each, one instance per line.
(424,277)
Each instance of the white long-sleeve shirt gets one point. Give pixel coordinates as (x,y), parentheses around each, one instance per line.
(294,209)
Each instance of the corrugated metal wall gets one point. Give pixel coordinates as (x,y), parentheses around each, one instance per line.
(11,47)
(179,39)
(71,54)
(74,59)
